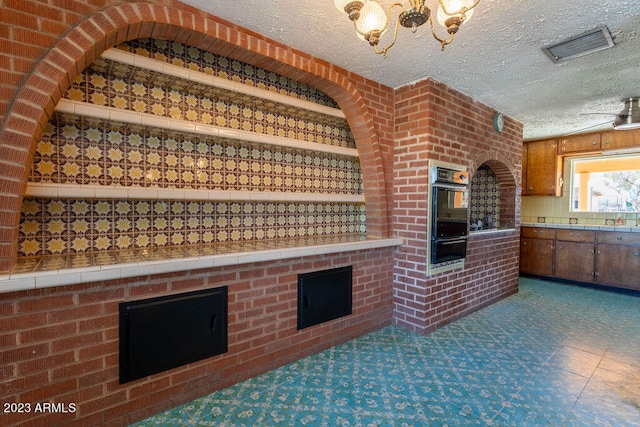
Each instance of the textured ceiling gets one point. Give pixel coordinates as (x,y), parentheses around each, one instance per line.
(496,57)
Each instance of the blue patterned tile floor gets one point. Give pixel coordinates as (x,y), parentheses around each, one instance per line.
(551,355)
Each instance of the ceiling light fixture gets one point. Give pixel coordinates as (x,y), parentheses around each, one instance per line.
(371,22)
(629,117)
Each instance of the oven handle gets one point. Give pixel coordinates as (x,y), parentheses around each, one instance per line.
(450,186)
(451,242)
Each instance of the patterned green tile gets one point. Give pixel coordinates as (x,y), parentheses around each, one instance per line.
(514,363)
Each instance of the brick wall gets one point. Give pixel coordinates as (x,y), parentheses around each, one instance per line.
(433,121)
(61,344)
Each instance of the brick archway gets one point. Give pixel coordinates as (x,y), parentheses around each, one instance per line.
(36,99)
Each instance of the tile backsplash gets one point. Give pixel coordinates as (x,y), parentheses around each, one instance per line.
(555,210)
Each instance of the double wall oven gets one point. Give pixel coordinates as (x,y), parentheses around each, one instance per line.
(450,215)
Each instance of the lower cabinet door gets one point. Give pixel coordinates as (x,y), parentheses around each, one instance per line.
(575,261)
(618,266)
(536,256)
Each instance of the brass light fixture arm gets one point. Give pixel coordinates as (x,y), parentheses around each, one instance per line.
(415,11)
(411,16)
(374,37)
(443,42)
(453,23)
(384,50)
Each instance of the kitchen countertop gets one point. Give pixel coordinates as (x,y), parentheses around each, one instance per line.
(616,228)
(45,272)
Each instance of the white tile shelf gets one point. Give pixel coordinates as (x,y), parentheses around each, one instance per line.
(138,61)
(55,190)
(64,270)
(144,119)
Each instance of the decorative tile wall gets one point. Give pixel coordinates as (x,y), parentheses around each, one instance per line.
(484,199)
(59,226)
(81,150)
(206,62)
(111,84)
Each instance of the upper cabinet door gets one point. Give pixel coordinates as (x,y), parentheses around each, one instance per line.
(613,139)
(543,168)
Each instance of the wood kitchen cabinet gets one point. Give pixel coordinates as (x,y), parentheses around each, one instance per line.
(618,259)
(575,255)
(603,257)
(537,251)
(583,143)
(615,139)
(598,141)
(542,168)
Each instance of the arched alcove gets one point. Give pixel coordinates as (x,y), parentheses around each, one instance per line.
(492,197)
(37,98)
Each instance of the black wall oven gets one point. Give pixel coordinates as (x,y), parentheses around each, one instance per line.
(450,215)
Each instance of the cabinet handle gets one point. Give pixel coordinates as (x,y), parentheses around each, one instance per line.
(607,141)
(530,188)
(635,254)
(559,247)
(594,143)
(619,237)
(524,243)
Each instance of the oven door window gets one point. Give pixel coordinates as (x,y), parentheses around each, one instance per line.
(452,202)
(451,212)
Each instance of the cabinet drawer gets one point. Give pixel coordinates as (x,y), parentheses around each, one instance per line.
(538,233)
(576,235)
(615,238)
(579,143)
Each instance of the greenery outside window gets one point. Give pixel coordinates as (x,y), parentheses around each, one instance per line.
(606,184)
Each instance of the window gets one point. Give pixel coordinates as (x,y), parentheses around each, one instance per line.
(605,184)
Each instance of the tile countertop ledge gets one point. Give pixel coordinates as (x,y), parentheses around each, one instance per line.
(44,278)
(618,228)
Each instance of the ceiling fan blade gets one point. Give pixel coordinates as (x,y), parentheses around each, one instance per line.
(603,114)
(589,127)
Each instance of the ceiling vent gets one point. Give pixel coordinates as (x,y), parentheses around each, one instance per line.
(589,42)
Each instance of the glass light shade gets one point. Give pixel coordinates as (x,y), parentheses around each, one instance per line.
(453,6)
(372,18)
(340,4)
